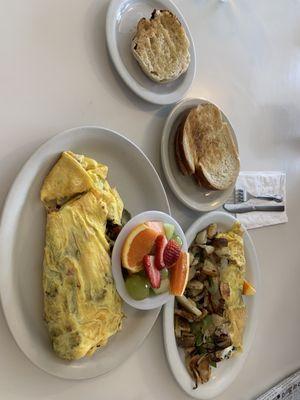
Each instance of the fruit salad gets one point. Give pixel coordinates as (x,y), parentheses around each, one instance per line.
(153,261)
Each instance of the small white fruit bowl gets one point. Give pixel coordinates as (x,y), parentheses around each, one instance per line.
(153,301)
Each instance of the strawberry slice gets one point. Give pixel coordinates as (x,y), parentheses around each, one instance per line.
(171,253)
(152,273)
(160,245)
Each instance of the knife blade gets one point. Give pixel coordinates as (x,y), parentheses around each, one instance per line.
(243,208)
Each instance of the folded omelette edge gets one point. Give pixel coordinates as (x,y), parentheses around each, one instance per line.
(234,275)
(82,308)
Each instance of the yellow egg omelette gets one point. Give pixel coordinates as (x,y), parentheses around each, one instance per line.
(82,308)
(234,275)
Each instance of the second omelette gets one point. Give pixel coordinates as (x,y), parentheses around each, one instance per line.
(81,304)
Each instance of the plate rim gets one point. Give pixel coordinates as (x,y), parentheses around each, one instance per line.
(165,159)
(161,99)
(6,231)
(168,308)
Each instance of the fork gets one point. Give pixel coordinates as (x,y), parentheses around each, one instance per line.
(241,196)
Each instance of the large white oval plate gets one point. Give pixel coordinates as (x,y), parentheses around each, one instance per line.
(226,372)
(22,242)
(121,21)
(184,187)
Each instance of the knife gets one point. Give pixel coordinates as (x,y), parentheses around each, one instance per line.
(241,208)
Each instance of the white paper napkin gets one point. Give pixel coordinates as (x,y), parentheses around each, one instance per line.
(262,183)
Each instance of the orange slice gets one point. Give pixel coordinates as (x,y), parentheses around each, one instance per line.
(138,243)
(180,274)
(248,289)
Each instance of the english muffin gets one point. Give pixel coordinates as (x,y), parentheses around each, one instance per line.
(161,46)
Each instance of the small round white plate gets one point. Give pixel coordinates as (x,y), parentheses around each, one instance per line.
(153,301)
(227,370)
(184,187)
(121,21)
(22,241)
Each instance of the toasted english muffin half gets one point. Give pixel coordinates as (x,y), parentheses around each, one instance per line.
(161,46)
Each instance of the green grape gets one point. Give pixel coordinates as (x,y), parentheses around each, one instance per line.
(137,286)
(164,286)
(178,239)
(169,230)
(164,273)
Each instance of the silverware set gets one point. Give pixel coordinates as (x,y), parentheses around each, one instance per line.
(237,203)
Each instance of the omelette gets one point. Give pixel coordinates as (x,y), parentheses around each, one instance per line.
(82,308)
(234,276)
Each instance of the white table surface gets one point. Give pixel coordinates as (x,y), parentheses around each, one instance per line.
(55,74)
